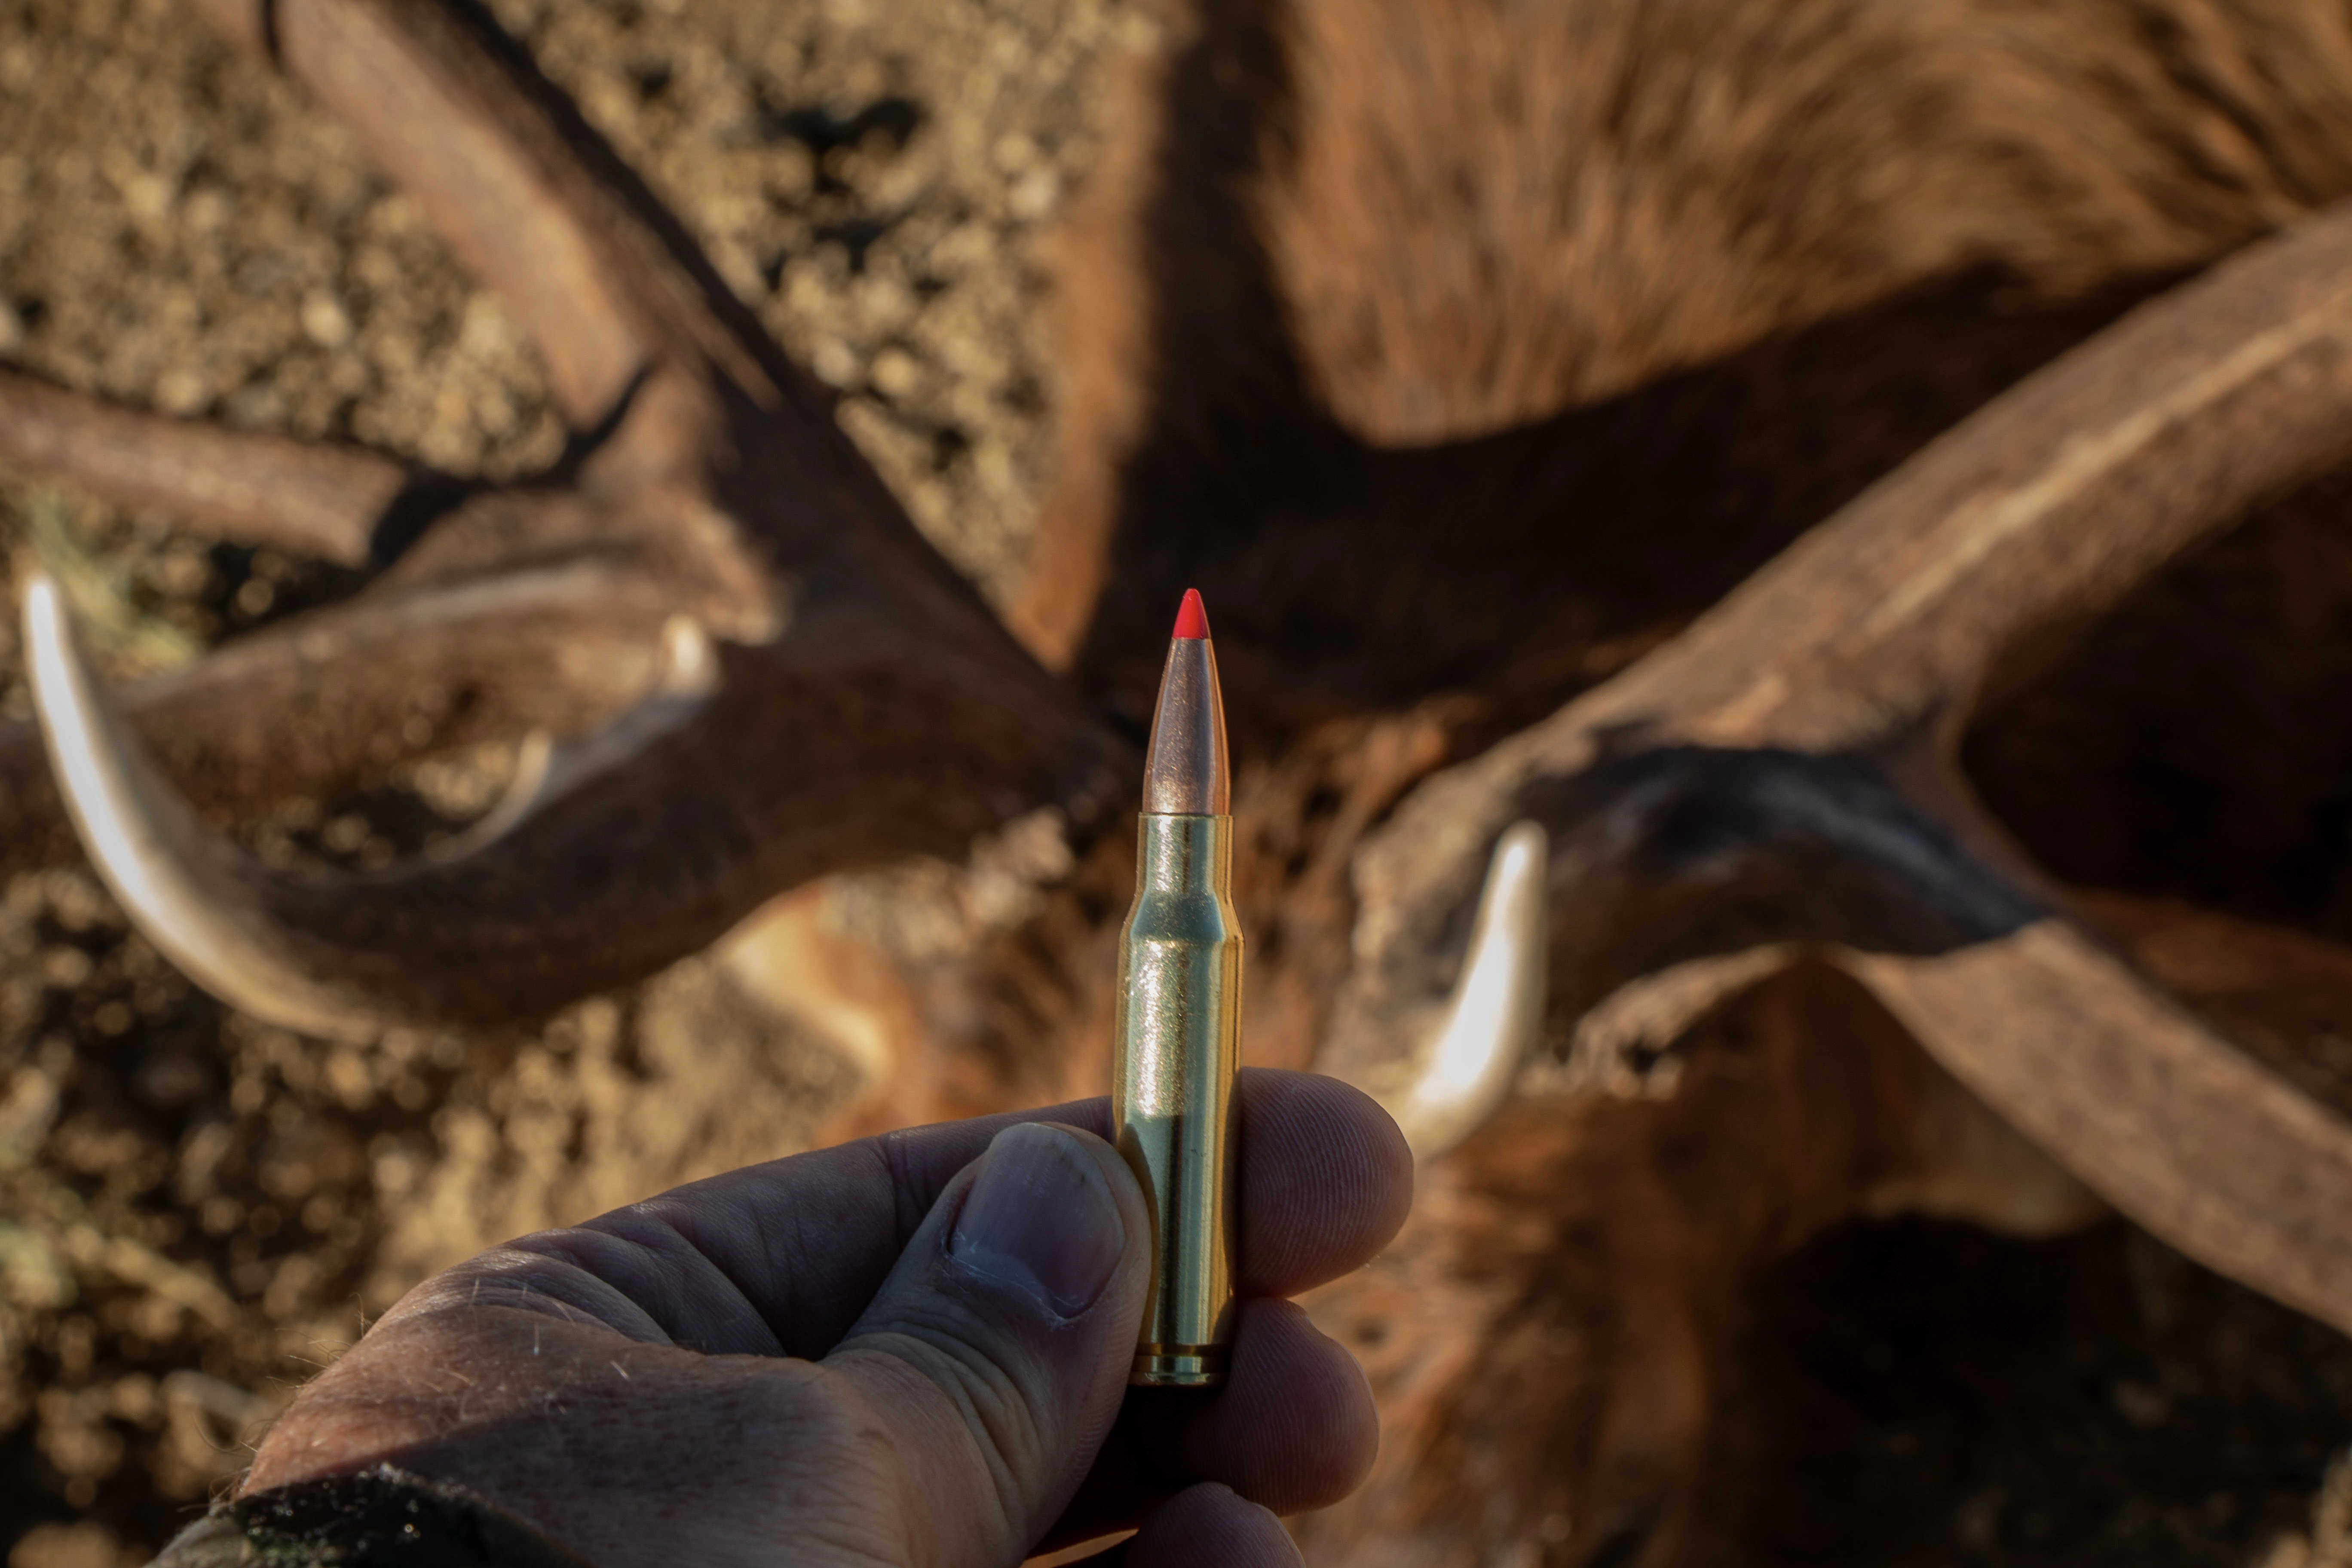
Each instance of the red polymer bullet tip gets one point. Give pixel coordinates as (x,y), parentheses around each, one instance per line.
(1185,772)
(1192,620)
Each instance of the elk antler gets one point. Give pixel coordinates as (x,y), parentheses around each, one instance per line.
(1784,772)
(832,693)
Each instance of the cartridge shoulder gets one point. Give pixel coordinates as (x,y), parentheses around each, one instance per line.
(1190,916)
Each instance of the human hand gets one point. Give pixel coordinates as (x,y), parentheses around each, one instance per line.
(909,1350)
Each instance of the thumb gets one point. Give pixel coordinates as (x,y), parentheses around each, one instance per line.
(997,1352)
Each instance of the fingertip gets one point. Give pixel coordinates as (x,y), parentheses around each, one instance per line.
(1208,1526)
(1294,1427)
(1326,1180)
(1053,1213)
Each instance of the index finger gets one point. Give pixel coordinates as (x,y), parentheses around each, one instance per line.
(781,1259)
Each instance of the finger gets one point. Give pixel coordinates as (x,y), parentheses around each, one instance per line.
(1325,1181)
(1326,1177)
(782,1258)
(1204,1527)
(997,1350)
(1293,1427)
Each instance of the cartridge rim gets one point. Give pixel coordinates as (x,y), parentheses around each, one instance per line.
(1180,1366)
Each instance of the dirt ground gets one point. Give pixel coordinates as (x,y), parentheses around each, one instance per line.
(196,1210)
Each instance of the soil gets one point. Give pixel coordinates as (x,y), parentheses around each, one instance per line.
(196,1210)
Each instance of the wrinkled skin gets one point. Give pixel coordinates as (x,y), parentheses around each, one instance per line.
(909,1350)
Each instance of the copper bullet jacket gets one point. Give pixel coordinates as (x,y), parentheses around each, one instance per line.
(1185,772)
(1177,1034)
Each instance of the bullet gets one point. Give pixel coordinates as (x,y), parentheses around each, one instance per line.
(1177,1035)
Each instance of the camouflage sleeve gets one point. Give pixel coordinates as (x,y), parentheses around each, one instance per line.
(382,1518)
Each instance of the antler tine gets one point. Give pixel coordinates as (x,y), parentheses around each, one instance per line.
(642,845)
(264,489)
(556,646)
(125,817)
(1493,1014)
(603,279)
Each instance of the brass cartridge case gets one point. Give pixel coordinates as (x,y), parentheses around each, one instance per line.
(1177,1041)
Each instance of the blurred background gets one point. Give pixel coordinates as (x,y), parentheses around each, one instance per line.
(196,1210)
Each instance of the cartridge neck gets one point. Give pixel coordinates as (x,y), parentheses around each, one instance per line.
(1184,852)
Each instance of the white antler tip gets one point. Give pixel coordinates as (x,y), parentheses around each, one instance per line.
(689,664)
(1496,1009)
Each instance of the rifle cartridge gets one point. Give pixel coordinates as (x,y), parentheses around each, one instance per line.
(1177,1035)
